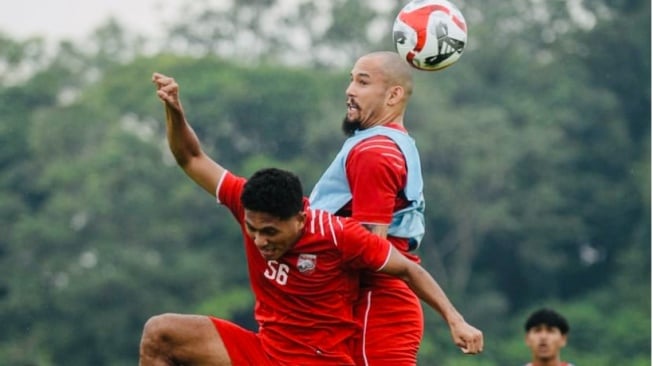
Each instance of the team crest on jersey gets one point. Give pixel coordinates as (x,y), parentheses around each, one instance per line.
(306,263)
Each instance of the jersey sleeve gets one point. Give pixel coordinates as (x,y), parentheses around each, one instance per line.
(228,193)
(361,249)
(376,171)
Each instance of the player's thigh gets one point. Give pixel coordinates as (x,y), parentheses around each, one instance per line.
(381,309)
(243,346)
(392,327)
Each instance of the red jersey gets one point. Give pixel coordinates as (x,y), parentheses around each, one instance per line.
(376,171)
(304,300)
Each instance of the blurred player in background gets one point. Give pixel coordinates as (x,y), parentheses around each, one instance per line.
(546,335)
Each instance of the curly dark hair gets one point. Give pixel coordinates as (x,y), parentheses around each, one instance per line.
(549,318)
(273,191)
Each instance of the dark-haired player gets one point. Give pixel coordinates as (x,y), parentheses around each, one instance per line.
(303,269)
(546,335)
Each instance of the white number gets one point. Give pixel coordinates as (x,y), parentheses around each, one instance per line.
(277,272)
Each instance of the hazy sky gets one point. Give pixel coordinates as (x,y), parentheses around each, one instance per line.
(74,19)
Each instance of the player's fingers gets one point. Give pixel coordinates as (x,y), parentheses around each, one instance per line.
(161,80)
(469,350)
(170,87)
(170,101)
(158,78)
(463,345)
(165,97)
(476,347)
(472,346)
(481,342)
(476,342)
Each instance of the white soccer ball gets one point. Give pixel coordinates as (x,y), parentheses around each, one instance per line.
(430,34)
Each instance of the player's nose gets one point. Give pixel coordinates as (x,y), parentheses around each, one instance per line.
(260,241)
(349,92)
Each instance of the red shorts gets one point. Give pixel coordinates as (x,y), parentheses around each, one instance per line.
(244,346)
(246,349)
(392,323)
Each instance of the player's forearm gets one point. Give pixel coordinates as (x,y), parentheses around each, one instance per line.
(182,140)
(427,289)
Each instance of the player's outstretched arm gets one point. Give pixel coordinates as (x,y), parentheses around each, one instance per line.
(466,337)
(183,141)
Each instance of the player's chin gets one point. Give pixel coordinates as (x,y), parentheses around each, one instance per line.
(354,116)
(349,125)
(269,255)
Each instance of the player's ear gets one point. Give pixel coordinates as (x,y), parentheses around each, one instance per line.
(301,218)
(395,95)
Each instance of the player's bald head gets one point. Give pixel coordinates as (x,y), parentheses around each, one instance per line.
(394,69)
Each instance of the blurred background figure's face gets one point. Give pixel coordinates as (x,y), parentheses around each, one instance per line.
(545,342)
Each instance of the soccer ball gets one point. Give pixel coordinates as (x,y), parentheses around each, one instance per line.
(430,34)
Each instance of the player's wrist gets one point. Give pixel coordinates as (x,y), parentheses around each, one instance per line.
(454,319)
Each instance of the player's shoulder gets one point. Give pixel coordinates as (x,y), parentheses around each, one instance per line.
(332,231)
(323,224)
(377,148)
(376,142)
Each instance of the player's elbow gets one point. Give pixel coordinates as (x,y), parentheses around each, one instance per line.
(186,158)
(181,160)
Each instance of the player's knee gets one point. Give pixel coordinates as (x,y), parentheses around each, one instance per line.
(158,334)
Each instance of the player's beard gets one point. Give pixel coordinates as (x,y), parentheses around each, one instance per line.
(349,126)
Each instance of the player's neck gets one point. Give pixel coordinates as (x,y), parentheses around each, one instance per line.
(398,122)
(554,362)
(396,119)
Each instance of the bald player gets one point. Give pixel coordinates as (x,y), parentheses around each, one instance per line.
(376,178)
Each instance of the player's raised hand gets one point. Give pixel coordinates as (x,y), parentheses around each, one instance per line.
(467,338)
(167,90)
